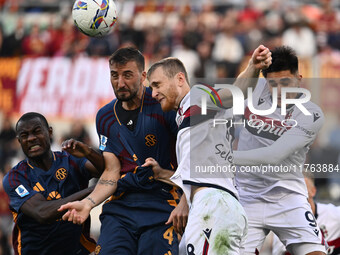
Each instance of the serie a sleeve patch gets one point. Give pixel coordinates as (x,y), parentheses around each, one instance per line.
(21,191)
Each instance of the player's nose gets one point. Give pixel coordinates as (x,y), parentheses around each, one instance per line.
(154,93)
(121,82)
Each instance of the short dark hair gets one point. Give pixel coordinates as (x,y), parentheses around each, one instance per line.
(31,115)
(283,58)
(171,67)
(124,55)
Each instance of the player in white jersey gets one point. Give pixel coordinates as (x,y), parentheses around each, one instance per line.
(274,193)
(216,223)
(327,216)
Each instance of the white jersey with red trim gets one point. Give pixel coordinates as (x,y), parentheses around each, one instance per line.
(328,218)
(278,147)
(203,150)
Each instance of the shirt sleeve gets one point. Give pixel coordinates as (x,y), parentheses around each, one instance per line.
(80,162)
(183,158)
(18,189)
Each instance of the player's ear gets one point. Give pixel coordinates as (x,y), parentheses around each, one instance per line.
(299,77)
(313,191)
(143,77)
(181,79)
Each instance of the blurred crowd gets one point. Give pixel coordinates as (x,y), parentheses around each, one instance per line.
(213,38)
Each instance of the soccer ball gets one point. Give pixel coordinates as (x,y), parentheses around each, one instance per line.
(94,17)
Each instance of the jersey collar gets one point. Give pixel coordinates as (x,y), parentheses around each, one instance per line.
(32,167)
(141,107)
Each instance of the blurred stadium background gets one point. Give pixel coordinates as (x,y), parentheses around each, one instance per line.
(46,65)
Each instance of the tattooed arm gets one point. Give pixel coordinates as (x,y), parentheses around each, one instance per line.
(78,211)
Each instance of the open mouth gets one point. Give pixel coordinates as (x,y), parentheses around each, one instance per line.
(34,148)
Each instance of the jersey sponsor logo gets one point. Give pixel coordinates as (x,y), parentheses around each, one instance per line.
(264,126)
(61,174)
(150,140)
(97,250)
(54,195)
(21,191)
(103,141)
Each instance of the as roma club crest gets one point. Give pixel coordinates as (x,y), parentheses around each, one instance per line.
(150,140)
(61,174)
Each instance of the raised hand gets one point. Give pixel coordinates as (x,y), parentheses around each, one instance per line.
(262,57)
(76,148)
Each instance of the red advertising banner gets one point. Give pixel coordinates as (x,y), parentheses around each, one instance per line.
(9,69)
(63,87)
(76,88)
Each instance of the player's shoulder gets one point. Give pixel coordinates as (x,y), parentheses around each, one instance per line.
(197,91)
(63,157)
(328,208)
(105,116)
(149,103)
(106,109)
(10,179)
(60,155)
(20,167)
(313,116)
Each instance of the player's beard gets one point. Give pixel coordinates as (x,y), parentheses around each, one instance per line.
(126,97)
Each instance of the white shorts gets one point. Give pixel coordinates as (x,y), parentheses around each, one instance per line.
(217,224)
(290,218)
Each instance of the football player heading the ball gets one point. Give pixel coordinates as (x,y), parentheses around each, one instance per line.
(142,214)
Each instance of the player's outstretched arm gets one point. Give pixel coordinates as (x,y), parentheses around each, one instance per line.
(260,59)
(78,211)
(44,211)
(95,164)
(179,216)
(160,174)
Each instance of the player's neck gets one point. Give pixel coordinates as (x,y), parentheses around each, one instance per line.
(43,162)
(183,92)
(135,102)
(312,204)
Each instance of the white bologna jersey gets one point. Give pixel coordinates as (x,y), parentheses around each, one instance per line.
(279,145)
(328,218)
(203,150)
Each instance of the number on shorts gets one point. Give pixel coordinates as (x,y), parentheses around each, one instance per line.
(168,235)
(310,218)
(190,249)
